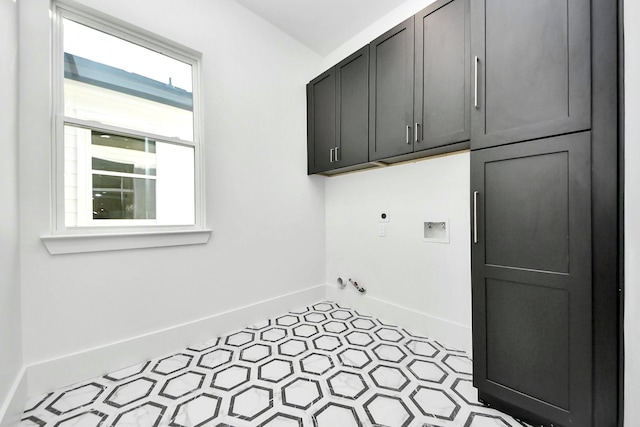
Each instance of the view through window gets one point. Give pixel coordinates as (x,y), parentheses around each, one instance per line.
(128,130)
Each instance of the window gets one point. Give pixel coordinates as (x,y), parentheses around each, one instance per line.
(127,146)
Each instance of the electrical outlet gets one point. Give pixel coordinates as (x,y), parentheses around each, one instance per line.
(382,230)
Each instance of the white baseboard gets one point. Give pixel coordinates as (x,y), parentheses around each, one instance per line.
(452,334)
(72,368)
(11,409)
(55,373)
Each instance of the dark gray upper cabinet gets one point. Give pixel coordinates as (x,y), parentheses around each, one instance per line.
(352,109)
(411,100)
(321,122)
(532,280)
(391,93)
(442,98)
(337,115)
(532,69)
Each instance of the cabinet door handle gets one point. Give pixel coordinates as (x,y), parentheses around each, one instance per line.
(331,155)
(475,81)
(408,134)
(415,133)
(475,217)
(336,154)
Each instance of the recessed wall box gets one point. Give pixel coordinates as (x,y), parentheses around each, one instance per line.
(436,231)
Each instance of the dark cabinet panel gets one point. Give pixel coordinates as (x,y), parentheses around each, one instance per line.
(352,109)
(391,93)
(531,69)
(442,75)
(531,276)
(530,352)
(524,231)
(337,115)
(321,122)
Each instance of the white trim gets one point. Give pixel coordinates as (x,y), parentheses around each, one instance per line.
(137,236)
(62,371)
(109,24)
(71,368)
(12,408)
(103,127)
(452,334)
(79,243)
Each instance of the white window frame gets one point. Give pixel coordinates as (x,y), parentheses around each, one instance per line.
(99,237)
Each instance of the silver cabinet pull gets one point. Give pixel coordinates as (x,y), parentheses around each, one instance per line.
(415,133)
(475,82)
(475,217)
(408,134)
(336,156)
(331,155)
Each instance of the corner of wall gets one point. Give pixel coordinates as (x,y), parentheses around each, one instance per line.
(11,411)
(446,332)
(62,371)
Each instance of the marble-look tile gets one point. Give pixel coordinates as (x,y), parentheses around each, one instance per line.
(231,377)
(130,392)
(318,366)
(182,385)
(148,414)
(349,385)
(334,414)
(301,393)
(172,364)
(388,411)
(251,403)
(78,397)
(196,411)
(275,370)
(389,377)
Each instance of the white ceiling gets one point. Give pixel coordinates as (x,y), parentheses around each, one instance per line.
(322,25)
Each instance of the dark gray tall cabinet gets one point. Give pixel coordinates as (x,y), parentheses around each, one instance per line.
(544,201)
(532,276)
(532,67)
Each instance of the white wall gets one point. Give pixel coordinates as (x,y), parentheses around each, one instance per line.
(431,280)
(401,269)
(267,216)
(10,319)
(632,213)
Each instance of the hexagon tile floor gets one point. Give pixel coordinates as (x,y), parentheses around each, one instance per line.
(321,366)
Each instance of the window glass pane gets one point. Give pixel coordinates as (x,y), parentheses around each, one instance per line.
(112,81)
(176,184)
(123,154)
(118,197)
(129,181)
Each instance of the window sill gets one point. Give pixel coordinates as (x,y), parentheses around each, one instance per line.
(80,243)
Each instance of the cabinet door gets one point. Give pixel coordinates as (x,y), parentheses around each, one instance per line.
(391,93)
(321,122)
(352,109)
(531,279)
(533,69)
(442,75)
